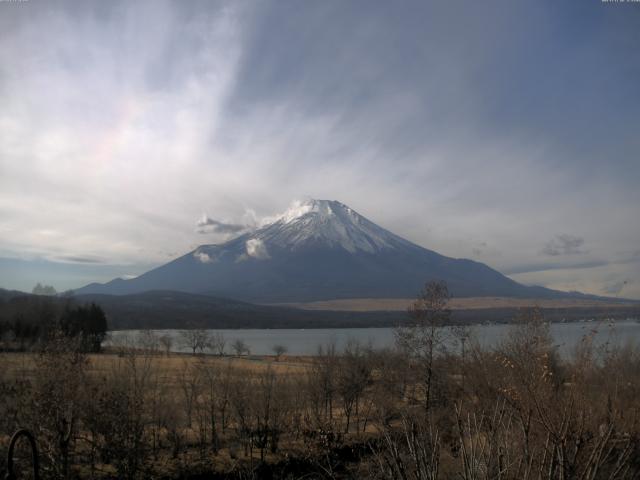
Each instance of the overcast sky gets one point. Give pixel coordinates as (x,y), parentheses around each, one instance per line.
(506,132)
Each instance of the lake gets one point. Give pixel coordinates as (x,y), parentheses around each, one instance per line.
(306,341)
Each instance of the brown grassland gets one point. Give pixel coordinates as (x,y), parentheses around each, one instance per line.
(466,303)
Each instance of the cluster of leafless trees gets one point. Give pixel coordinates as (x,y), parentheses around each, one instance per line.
(517,411)
(420,411)
(195,340)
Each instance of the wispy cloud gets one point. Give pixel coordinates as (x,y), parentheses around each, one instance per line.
(209,225)
(544,267)
(615,288)
(564,244)
(250,220)
(77,259)
(116,136)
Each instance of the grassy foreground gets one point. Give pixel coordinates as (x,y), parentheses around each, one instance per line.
(517,411)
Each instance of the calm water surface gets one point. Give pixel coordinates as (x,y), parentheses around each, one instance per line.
(306,341)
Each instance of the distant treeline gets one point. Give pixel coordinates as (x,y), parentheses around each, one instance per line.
(29,320)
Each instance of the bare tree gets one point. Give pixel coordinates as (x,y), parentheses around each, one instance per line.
(422,335)
(57,400)
(167,342)
(240,347)
(218,343)
(122,406)
(270,411)
(210,378)
(462,334)
(148,341)
(195,339)
(279,350)
(354,375)
(189,381)
(223,393)
(242,403)
(411,453)
(321,386)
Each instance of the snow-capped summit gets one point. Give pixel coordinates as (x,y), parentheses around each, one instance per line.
(318,250)
(326,223)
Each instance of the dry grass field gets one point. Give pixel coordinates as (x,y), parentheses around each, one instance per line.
(470,303)
(23,364)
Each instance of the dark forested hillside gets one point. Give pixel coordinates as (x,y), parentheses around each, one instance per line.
(27,320)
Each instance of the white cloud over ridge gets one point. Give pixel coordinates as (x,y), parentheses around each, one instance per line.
(257,249)
(210,225)
(250,221)
(203,257)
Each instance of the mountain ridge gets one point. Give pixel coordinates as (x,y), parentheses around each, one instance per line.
(319,250)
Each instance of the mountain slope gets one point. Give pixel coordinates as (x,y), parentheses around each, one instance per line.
(319,250)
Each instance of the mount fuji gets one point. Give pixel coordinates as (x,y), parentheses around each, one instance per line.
(319,250)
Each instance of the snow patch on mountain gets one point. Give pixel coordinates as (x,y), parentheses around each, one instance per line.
(326,223)
(307,224)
